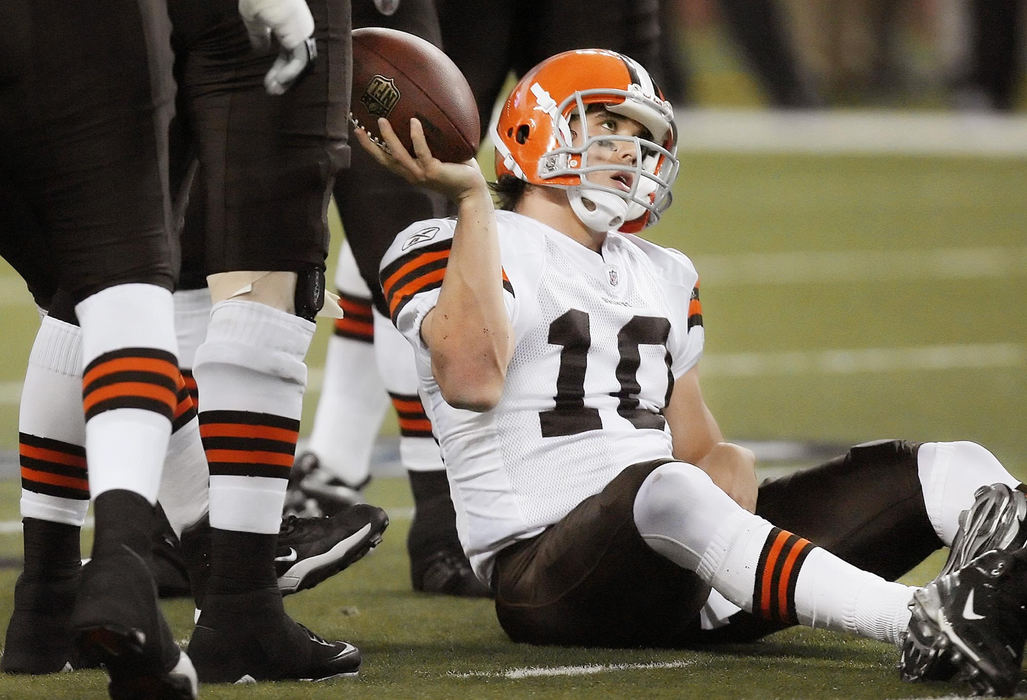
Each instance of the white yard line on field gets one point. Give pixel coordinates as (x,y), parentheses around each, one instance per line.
(9,527)
(806,266)
(10,393)
(585,670)
(853,131)
(854,361)
(840,361)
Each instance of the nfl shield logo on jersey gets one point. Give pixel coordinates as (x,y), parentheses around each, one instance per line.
(614,277)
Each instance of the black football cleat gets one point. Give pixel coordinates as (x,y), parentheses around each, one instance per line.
(314,491)
(39,638)
(447,572)
(975,620)
(247,637)
(994,521)
(313,549)
(118,624)
(310,549)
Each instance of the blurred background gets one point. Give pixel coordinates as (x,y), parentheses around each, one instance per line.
(934,54)
(853,191)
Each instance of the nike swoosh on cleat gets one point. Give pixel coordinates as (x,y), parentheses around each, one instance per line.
(345,652)
(968,608)
(288,558)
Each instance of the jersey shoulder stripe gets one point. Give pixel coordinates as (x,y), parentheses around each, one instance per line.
(419,270)
(694,308)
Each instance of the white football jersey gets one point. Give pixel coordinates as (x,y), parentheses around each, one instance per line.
(598,341)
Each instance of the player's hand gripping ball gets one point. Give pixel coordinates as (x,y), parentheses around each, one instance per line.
(397,75)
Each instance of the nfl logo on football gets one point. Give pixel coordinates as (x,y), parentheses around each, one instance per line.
(380,96)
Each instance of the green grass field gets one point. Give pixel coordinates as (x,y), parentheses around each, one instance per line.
(846,298)
(419,646)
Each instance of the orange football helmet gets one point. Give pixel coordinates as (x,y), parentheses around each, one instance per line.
(533,136)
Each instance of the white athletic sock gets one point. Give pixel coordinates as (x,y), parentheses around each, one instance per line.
(769,572)
(950,473)
(55,485)
(184,486)
(353,401)
(130,379)
(418,451)
(192,315)
(251,378)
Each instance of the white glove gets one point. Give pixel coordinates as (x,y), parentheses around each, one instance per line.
(293,27)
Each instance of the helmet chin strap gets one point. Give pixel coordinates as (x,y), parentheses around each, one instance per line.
(598,210)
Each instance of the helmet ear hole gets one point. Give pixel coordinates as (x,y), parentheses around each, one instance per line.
(522,134)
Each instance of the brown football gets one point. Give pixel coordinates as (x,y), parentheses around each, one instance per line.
(397,75)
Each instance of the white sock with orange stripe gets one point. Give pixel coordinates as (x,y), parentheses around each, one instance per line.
(129,386)
(251,379)
(769,572)
(353,401)
(52,429)
(418,450)
(184,486)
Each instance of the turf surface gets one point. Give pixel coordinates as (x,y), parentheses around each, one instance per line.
(845,298)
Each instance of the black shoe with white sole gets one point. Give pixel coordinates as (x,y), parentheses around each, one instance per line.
(117,623)
(247,637)
(313,549)
(309,549)
(973,619)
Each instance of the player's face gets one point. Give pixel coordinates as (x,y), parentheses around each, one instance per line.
(616,151)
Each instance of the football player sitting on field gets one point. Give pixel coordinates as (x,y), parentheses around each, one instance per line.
(594,491)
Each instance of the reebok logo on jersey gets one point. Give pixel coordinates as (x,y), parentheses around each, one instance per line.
(288,558)
(968,608)
(420,237)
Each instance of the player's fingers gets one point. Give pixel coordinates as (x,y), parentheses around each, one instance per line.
(396,148)
(420,144)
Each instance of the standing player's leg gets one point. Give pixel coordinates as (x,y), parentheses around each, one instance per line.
(335,467)
(106,224)
(54,501)
(375,205)
(267,164)
(484,41)
(437,560)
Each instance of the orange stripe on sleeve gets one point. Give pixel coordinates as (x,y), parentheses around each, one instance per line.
(411,287)
(694,307)
(417,262)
